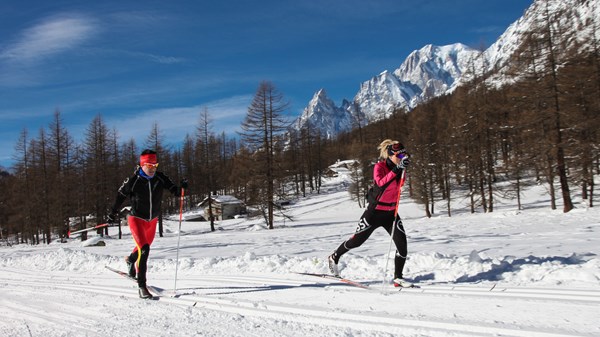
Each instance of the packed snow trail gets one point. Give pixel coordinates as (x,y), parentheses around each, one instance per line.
(39,304)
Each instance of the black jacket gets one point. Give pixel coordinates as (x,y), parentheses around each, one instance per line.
(145,194)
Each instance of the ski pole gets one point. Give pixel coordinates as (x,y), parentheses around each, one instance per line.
(69,233)
(178,238)
(387,260)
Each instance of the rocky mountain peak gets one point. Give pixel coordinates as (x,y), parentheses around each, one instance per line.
(437,70)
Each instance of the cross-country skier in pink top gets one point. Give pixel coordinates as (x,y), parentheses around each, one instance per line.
(387,174)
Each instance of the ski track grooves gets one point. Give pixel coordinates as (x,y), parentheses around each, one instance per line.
(302,313)
(473,290)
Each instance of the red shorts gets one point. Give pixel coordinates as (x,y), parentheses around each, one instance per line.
(143,231)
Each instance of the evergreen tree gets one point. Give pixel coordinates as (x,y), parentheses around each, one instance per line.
(263,124)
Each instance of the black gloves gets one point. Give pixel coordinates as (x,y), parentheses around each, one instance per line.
(184,183)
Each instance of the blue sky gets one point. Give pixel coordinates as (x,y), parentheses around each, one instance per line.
(137,63)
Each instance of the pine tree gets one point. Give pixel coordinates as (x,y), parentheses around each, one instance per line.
(264,122)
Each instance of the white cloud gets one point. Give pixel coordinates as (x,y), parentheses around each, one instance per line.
(174,123)
(49,37)
(165,59)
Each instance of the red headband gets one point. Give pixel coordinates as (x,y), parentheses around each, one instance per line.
(149,158)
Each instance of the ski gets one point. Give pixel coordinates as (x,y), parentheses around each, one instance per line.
(340,279)
(122,273)
(354,283)
(156,290)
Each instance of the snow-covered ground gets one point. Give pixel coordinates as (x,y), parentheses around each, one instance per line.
(508,273)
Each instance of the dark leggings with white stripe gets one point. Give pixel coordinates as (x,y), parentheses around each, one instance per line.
(371,220)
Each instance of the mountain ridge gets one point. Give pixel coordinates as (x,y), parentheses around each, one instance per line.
(434,71)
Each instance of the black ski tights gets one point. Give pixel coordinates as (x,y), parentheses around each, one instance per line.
(371,220)
(143,263)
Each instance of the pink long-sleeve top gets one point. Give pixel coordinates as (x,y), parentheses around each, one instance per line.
(383,174)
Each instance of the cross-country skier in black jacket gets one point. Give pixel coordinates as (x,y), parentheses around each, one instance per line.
(145,190)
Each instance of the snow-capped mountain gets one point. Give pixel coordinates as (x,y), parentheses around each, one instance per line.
(322,114)
(437,70)
(429,72)
(426,73)
(575,25)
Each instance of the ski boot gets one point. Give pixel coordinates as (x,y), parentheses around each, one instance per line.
(130,268)
(333,265)
(402,283)
(144,293)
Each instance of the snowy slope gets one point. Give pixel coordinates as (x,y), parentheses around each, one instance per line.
(508,273)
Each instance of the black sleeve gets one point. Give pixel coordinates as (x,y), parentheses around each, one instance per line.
(169,184)
(122,194)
